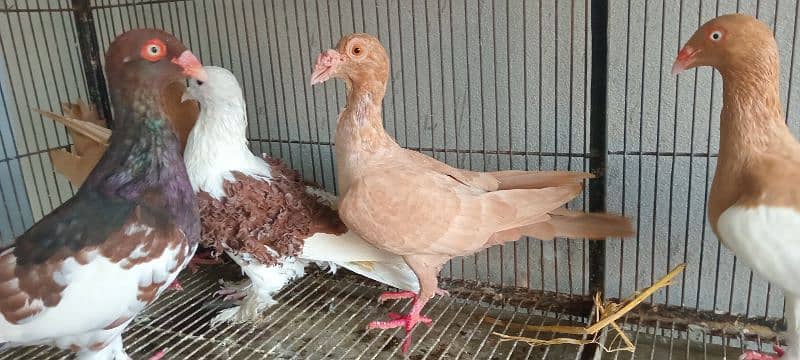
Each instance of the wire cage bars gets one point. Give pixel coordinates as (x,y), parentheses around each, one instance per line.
(484,85)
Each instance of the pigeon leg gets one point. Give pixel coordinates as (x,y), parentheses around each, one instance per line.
(158,355)
(176,285)
(426,268)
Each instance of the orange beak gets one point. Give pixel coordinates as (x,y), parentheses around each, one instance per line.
(191,66)
(326,66)
(685,59)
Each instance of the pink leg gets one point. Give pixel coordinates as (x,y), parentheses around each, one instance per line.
(158,355)
(176,285)
(754,355)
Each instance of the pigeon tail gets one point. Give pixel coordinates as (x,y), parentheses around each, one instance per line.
(519,179)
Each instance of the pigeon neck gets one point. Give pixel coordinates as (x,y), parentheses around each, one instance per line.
(360,136)
(751,121)
(361,122)
(143,161)
(218,145)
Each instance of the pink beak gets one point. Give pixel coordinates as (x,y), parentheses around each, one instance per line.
(191,66)
(685,60)
(326,66)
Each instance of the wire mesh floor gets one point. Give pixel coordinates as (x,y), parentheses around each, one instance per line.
(324,316)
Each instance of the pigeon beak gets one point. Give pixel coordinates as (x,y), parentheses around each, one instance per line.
(685,60)
(326,66)
(191,66)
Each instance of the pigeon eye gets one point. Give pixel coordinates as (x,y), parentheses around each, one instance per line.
(356,50)
(199,82)
(716,35)
(154,50)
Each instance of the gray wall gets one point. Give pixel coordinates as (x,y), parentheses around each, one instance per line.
(479,84)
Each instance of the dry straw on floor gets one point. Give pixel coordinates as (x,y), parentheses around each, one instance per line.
(606,316)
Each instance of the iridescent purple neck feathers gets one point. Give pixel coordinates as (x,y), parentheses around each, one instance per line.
(143,162)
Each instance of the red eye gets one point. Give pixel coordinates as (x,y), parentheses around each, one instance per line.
(154,50)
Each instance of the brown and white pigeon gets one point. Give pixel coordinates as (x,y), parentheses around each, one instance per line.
(80,275)
(261,213)
(424,210)
(754,205)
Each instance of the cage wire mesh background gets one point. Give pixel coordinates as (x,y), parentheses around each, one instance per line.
(484,85)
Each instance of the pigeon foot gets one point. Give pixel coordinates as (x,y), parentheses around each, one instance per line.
(754,355)
(176,285)
(408,322)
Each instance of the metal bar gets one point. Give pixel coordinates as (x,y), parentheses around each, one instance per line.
(90,53)
(598,143)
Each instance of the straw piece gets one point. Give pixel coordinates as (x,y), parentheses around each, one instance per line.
(607,314)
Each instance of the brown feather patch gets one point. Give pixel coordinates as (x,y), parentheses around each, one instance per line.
(256,214)
(20,286)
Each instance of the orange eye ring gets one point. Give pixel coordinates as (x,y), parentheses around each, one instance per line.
(154,50)
(356,50)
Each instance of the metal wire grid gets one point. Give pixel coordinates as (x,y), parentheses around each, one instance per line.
(40,67)
(665,128)
(321,316)
(264,46)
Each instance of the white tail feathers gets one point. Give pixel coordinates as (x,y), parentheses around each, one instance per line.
(353,253)
(394,274)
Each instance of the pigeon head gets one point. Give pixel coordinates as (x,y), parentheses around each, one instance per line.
(219,87)
(222,106)
(359,59)
(733,43)
(140,64)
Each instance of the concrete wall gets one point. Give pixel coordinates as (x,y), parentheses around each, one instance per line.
(483,85)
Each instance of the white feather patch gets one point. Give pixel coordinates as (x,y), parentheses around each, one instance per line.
(348,249)
(767,239)
(217,144)
(97,293)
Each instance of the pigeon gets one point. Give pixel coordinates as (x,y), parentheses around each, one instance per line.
(424,210)
(261,213)
(78,277)
(754,203)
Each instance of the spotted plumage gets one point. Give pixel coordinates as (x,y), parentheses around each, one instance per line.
(81,274)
